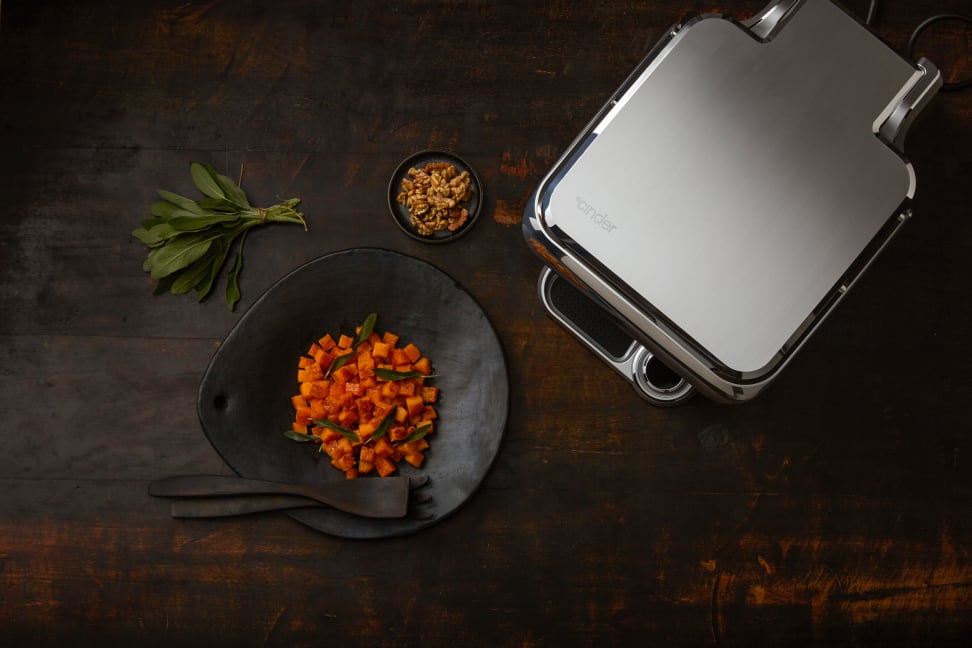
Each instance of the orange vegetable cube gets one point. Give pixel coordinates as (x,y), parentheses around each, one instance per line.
(412,352)
(380,349)
(304,416)
(345,341)
(328,436)
(384,466)
(400,358)
(324,360)
(383,448)
(317,408)
(315,389)
(347,418)
(406,387)
(351,474)
(401,414)
(310,373)
(298,427)
(304,361)
(423,366)
(429,413)
(365,467)
(430,394)
(414,405)
(327,342)
(298,401)
(390,389)
(389,338)
(415,459)
(343,463)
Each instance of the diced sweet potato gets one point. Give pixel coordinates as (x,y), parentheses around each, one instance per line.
(423,366)
(356,398)
(385,466)
(327,342)
(298,401)
(399,357)
(412,352)
(383,448)
(380,350)
(414,405)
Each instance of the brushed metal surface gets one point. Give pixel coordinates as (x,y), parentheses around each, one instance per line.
(736,181)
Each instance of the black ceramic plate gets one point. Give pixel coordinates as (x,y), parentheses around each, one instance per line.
(244,399)
(399,211)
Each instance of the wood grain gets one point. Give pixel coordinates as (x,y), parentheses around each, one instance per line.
(833,510)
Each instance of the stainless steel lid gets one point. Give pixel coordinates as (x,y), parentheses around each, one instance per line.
(735,186)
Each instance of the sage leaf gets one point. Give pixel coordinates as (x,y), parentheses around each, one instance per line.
(302,438)
(155,235)
(219,205)
(233,191)
(233,280)
(418,433)
(165,209)
(219,252)
(179,253)
(383,428)
(392,375)
(188,279)
(365,329)
(185,203)
(204,178)
(196,223)
(351,435)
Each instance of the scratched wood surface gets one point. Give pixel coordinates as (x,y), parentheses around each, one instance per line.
(833,510)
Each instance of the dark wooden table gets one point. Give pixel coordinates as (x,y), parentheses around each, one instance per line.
(833,510)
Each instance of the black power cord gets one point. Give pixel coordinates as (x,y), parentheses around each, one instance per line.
(913,40)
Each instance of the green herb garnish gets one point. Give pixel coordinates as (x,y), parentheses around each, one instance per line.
(364,331)
(351,435)
(418,433)
(302,438)
(189,240)
(392,375)
(386,424)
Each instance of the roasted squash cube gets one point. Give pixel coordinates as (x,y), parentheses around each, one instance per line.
(299,401)
(345,341)
(327,342)
(412,352)
(415,459)
(423,366)
(383,448)
(385,466)
(414,405)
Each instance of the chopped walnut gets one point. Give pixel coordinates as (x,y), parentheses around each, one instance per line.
(433,196)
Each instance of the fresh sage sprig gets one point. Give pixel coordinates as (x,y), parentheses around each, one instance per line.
(189,241)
